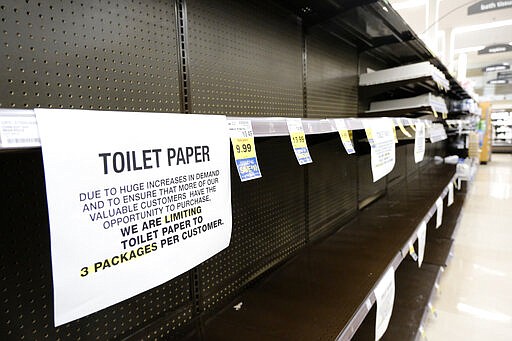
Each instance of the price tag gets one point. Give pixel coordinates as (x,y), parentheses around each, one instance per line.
(412,252)
(422,236)
(298,139)
(345,135)
(402,128)
(419,142)
(434,112)
(457,184)
(439,217)
(432,310)
(450,194)
(437,133)
(385,297)
(369,136)
(242,140)
(18,130)
(422,332)
(368,304)
(445,115)
(412,125)
(394,135)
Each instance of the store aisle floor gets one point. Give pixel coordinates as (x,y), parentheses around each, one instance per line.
(475,297)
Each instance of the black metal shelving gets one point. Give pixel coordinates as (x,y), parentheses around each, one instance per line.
(303,258)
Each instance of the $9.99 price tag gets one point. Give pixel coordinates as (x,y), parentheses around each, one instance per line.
(242,140)
(298,139)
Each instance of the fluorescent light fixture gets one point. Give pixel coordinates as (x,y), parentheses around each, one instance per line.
(408,4)
(496,67)
(469,49)
(483,268)
(483,314)
(481,27)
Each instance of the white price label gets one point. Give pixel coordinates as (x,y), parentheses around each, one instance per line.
(419,142)
(18,130)
(385,297)
(439,216)
(422,236)
(450,194)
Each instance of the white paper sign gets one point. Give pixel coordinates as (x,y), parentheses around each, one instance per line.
(380,136)
(385,297)
(439,216)
(18,129)
(419,142)
(134,200)
(422,235)
(450,194)
(437,133)
(344,135)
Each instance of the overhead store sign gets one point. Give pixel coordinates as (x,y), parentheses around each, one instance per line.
(505,75)
(496,67)
(486,6)
(134,200)
(498,48)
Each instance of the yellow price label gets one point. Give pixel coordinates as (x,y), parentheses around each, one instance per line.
(435,112)
(243,147)
(369,133)
(394,135)
(412,127)
(445,115)
(369,136)
(345,135)
(298,139)
(412,252)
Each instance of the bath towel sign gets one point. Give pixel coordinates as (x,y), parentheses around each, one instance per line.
(134,200)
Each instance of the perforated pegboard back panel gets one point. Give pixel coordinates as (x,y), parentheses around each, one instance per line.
(332,192)
(332,82)
(26,279)
(268,223)
(245,58)
(411,165)
(98,54)
(366,187)
(399,172)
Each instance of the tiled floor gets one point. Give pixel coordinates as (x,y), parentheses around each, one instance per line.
(475,297)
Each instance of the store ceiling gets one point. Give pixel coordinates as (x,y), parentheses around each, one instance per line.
(452,32)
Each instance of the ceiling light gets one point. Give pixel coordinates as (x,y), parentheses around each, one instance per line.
(481,27)
(469,49)
(496,67)
(483,314)
(486,269)
(408,4)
